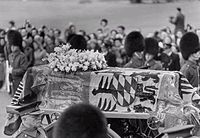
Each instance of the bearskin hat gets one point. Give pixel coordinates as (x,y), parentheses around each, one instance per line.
(77,42)
(134,42)
(14,38)
(81,120)
(151,46)
(189,44)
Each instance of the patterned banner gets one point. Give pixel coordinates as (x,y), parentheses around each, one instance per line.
(64,90)
(130,90)
(118,90)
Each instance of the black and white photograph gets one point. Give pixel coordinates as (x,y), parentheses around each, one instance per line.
(99,69)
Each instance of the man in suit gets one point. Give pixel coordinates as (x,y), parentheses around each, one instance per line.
(178,21)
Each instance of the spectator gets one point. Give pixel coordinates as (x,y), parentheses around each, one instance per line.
(104,27)
(12,25)
(39,54)
(23,32)
(49,44)
(58,40)
(110,57)
(72,29)
(82,32)
(121,32)
(100,34)
(34,32)
(29,51)
(93,45)
(2,61)
(82,121)
(178,21)
(117,49)
(113,34)
(169,59)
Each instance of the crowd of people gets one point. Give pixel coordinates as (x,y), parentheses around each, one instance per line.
(162,45)
(27,46)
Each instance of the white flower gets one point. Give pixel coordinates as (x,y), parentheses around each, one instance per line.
(67,69)
(74,68)
(71,60)
(55,69)
(66,47)
(62,68)
(57,49)
(86,63)
(94,67)
(85,68)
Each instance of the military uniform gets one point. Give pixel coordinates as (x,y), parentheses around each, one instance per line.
(135,62)
(24,132)
(30,114)
(178,132)
(19,64)
(191,71)
(154,65)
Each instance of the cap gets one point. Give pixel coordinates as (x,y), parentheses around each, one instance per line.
(179,131)
(31,109)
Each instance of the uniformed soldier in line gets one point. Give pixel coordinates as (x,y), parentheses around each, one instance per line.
(190,50)
(31,122)
(151,52)
(134,47)
(178,132)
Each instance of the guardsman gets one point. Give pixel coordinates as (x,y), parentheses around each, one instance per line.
(31,122)
(190,50)
(178,132)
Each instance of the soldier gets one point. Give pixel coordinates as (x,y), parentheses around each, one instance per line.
(31,122)
(190,50)
(151,51)
(178,132)
(17,58)
(134,47)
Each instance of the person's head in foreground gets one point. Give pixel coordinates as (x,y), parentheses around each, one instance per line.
(81,121)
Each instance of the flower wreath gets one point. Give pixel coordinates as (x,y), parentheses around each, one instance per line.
(69,60)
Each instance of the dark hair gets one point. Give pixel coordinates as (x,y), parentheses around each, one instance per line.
(81,121)
(108,44)
(119,39)
(178,9)
(44,26)
(12,22)
(83,31)
(104,20)
(100,29)
(122,27)
(113,30)
(58,30)
(29,35)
